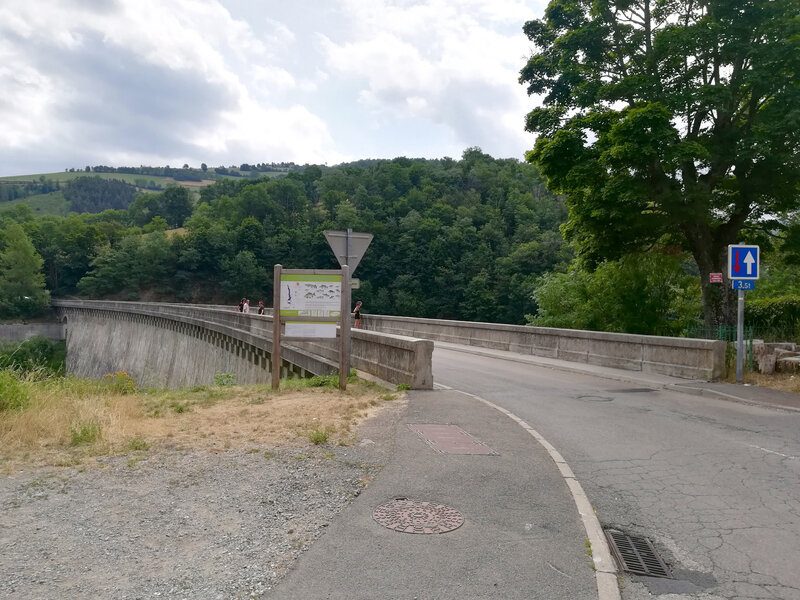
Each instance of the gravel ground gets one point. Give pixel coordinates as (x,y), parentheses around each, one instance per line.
(178,524)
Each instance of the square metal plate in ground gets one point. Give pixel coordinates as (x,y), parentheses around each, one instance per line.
(636,555)
(450,439)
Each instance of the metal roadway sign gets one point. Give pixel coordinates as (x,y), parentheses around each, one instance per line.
(348,246)
(743,262)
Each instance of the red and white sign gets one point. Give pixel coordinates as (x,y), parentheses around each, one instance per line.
(715,277)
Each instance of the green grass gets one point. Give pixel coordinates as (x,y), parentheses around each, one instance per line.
(136,444)
(66,177)
(54,203)
(157,403)
(319,436)
(44,204)
(85,433)
(13,396)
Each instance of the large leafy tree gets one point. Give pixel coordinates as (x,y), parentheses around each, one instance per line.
(22,290)
(668,122)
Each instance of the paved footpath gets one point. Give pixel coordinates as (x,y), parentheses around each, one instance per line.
(521,537)
(522,534)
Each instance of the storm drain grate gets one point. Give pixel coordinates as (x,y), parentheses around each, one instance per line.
(636,555)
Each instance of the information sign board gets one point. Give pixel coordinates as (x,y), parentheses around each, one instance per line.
(308,295)
(309,303)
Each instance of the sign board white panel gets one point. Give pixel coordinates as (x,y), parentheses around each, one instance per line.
(308,329)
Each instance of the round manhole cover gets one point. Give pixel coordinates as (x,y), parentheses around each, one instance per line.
(410,516)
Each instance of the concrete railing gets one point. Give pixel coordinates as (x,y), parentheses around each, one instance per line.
(17,332)
(185,344)
(394,358)
(680,357)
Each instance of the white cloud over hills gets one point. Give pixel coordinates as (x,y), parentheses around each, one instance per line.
(129,82)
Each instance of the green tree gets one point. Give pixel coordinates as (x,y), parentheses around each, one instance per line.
(245,277)
(67,245)
(673,119)
(641,293)
(22,290)
(176,205)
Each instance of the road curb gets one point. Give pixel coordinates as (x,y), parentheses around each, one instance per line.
(682,388)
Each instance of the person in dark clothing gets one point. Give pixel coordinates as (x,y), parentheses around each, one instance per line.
(357,314)
(241,305)
(260,307)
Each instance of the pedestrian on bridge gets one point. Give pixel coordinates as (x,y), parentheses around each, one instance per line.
(357,314)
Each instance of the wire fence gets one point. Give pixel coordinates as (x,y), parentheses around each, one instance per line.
(726,333)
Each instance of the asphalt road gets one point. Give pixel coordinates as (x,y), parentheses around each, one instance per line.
(714,484)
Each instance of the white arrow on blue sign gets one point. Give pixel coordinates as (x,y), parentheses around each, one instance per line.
(743,262)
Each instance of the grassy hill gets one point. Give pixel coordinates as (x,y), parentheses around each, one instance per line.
(54,203)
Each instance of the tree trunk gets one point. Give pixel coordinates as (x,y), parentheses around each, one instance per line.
(719,299)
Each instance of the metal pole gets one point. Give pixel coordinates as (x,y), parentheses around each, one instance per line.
(740,337)
(349,291)
(344,328)
(276,328)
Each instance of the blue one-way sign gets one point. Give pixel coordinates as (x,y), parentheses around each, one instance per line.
(743,262)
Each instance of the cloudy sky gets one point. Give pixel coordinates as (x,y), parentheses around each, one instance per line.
(157,82)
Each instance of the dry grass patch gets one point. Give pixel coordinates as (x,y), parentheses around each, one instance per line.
(69,421)
(785,382)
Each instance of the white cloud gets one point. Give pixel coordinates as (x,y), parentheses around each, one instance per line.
(150,79)
(227,81)
(442,61)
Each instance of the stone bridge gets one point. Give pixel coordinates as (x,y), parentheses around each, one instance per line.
(179,345)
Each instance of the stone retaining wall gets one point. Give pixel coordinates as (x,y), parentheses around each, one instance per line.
(17,332)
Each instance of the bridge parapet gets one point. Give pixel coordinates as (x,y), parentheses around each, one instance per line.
(177,345)
(680,357)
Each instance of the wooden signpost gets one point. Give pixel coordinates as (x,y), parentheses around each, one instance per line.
(307,305)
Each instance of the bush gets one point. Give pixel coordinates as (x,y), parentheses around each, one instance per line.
(120,382)
(774,317)
(85,433)
(318,436)
(646,294)
(224,379)
(12,395)
(34,354)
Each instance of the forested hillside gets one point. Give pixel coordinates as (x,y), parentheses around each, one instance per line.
(463,239)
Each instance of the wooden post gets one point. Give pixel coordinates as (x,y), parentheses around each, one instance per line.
(276,328)
(344,328)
